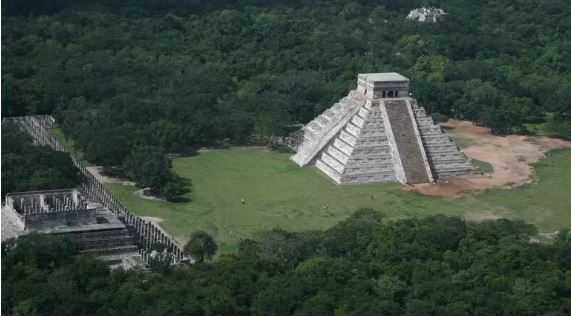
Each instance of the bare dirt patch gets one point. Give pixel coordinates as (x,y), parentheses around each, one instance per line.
(181,240)
(143,195)
(511,156)
(152,219)
(97,172)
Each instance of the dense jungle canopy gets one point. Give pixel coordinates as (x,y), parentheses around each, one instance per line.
(363,266)
(177,74)
(26,167)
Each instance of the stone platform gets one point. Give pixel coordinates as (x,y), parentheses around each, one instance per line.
(94,228)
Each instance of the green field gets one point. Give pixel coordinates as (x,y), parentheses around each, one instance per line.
(483,166)
(280,194)
(460,140)
(550,128)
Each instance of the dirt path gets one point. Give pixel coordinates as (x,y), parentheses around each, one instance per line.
(141,193)
(97,171)
(511,156)
(155,220)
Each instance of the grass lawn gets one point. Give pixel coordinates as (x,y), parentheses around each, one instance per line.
(460,140)
(279,194)
(550,128)
(483,166)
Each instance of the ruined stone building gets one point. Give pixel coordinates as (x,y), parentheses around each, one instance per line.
(431,14)
(94,228)
(103,227)
(378,133)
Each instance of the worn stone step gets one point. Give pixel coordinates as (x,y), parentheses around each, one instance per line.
(363,112)
(367,169)
(358,121)
(353,129)
(407,143)
(372,133)
(337,154)
(343,146)
(382,159)
(110,251)
(364,141)
(330,172)
(332,162)
(107,243)
(348,138)
(368,177)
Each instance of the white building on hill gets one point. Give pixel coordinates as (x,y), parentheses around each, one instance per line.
(423,14)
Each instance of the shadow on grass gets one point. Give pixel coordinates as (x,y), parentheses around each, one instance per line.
(177,189)
(180,199)
(195,151)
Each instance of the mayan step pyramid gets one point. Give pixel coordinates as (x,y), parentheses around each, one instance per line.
(378,133)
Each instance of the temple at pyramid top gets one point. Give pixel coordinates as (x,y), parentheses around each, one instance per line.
(378,133)
(383,85)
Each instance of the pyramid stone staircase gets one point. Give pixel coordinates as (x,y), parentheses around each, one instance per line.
(410,150)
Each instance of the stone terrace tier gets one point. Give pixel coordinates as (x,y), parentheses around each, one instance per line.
(445,158)
(109,239)
(360,152)
(318,132)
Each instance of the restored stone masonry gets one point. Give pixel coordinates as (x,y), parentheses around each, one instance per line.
(40,128)
(378,133)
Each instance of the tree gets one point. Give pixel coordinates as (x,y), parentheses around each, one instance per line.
(150,167)
(26,167)
(200,246)
(107,148)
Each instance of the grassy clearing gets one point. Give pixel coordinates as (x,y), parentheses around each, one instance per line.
(550,128)
(483,166)
(460,140)
(281,195)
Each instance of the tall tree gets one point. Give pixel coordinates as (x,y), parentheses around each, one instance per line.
(200,246)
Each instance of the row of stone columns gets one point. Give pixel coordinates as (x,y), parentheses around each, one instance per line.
(39,127)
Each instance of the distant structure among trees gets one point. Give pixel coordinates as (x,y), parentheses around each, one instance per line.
(424,14)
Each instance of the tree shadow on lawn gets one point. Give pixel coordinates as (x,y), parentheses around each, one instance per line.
(196,151)
(180,199)
(184,187)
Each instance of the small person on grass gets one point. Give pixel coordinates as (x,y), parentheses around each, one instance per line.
(243,200)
